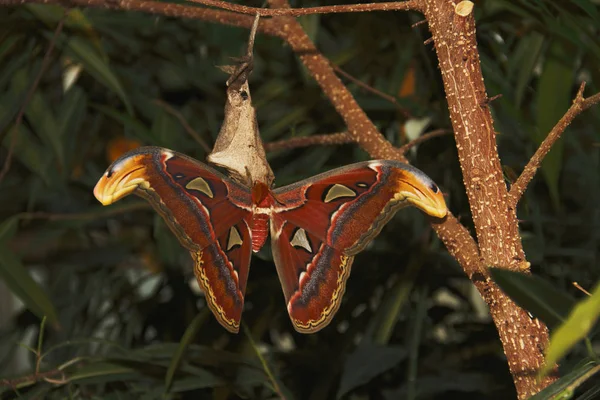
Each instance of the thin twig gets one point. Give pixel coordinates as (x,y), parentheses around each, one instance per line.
(195,135)
(423,138)
(578,286)
(322,140)
(296,12)
(21,381)
(246,62)
(418,23)
(15,129)
(371,89)
(579,105)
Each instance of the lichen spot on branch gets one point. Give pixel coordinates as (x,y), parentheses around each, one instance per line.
(464,8)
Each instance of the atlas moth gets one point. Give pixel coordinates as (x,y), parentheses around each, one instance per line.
(317,225)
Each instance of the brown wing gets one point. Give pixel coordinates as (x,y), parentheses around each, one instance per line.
(322,222)
(207,211)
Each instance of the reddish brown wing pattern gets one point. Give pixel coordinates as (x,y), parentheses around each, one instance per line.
(207,212)
(322,222)
(312,274)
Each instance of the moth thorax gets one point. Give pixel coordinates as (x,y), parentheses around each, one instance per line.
(260,231)
(260,194)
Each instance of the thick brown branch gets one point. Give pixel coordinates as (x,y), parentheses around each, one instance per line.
(296,12)
(499,243)
(319,140)
(162,8)
(579,105)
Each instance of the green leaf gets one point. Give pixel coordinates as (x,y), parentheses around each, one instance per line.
(552,100)
(575,328)
(8,228)
(29,152)
(524,61)
(534,294)
(590,8)
(564,387)
(7,45)
(186,339)
(386,317)
(24,287)
(96,65)
(367,362)
(70,117)
(106,371)
(136,127)
(40,116)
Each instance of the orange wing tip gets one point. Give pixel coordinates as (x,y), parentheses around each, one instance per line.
(423,193)
(434,206)
(119,180)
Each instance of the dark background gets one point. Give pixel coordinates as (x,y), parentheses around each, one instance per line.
(411,324)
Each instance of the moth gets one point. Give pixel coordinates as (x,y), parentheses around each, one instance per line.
(317,225)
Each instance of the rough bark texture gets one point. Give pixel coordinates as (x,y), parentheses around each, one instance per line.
(499,242)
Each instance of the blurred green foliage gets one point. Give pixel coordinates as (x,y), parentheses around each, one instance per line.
(124,319)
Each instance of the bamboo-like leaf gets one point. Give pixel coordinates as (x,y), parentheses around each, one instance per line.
(40,116)
(590,8)
(564,387)
(186,339)
(525,60)
(137,128)
(534,294)
(24,287)
(93,62)
(50,15)
(553,99)
(8,228)
(581,319)
(29,151)
(281,390)
(102,371)
(8,44)
(367,362)
(387,314)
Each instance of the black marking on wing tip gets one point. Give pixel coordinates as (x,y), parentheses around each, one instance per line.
(110,172)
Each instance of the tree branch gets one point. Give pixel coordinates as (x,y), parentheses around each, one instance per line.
(359,125)
(579,105)
(499,243)
(162,8)
(323,140)
(296,12)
